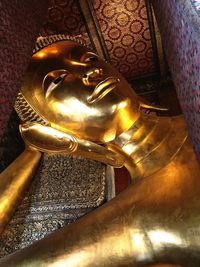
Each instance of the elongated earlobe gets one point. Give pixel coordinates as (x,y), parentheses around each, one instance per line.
(147,105)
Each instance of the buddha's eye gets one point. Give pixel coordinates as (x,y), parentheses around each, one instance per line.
(91,59)
(58,79)
(52,80)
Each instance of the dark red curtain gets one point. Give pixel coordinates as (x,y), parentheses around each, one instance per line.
(20,23)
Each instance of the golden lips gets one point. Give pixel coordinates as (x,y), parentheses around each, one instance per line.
(102,89)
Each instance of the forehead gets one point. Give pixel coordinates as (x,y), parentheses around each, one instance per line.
(62,49)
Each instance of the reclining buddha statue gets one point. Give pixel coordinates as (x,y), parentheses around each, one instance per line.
(73,102)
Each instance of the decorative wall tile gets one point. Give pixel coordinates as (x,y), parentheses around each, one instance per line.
(64,17)
(125,29)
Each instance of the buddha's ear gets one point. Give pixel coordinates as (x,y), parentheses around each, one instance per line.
(147,105)
(52,80)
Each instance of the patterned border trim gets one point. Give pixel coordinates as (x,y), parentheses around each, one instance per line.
(153,36)
(26,112)
(45,41)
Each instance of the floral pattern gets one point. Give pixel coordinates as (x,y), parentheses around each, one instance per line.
(64,189)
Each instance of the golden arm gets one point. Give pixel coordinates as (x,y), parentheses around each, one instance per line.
(50,140)
(14,181)
(153,223)
(38,138)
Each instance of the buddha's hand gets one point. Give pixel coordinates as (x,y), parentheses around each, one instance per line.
(50,140)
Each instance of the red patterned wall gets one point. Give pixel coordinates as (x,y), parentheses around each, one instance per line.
(64,18)
(124,27)
(19,26)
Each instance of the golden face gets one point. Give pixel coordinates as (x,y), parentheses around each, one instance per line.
(75,91)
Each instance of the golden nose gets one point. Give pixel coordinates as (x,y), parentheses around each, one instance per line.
(92,76)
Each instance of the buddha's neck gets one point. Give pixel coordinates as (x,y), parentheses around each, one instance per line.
(150,144)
